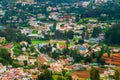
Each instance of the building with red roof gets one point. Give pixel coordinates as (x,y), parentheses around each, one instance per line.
(41,59)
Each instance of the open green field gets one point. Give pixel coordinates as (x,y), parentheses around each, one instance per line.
(60,42)
(39,41)
(55,77)
(69,72)
(51,42)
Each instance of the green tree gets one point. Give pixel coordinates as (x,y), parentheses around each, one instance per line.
(5,57)
(77,18)
(25,62)
(46,75)
(63,72)
(102,61)
(70,34)
(54,55)
(54,27)
(32,49)
(3,42)
(17,50)
(100,54)
(69,77)
(14,35)
(96,31)
(84,32)
(41,77)
(94,74)
(76,56)
(112,35)
(80,41)
(117,75)
(88,59)
(108,52)
(60,78)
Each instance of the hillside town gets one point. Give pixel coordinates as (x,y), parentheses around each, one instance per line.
(59,41)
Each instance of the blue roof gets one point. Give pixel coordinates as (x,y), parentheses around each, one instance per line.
(81,48)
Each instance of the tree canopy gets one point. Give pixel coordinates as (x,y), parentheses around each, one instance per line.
(112,35)
(14,35)
(5,57)
(46,75)
(94,74)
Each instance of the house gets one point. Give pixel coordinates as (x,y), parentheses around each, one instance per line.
(22,58)
(83,50)
(34,77)
(34,36)
(64,61)
(56,66)
(68,68)
(77,66)
(2,39)
(70,59)
(26,31)
(24,43)
(20,63)
(80,75)
(101,36)
(67,16)
(2,13)
(41,15)
(113,59)
(85,4)
(116,50)
(16,73)
(32,61)
(41,59)
(2,68)
(9,46)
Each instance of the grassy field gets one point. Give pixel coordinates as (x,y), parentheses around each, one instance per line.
(60,42)
(51,42)
(39,41)
(55,77)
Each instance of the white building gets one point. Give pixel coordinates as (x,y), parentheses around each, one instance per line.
(2,68)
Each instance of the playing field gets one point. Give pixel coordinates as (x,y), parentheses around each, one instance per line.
(60,42)
(39,41)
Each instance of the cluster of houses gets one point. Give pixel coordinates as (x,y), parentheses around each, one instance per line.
(9,73)
(39,29)
(45,29)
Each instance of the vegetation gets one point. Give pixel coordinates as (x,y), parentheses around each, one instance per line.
(14,35)
(94,74)
(5,57)
(111,35)
(63,35)
(39,41)
(46,75)
(117,74)
(96,32)
(17,50)
(18,16)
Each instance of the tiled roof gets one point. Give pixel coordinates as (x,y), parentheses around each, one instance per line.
(113,59)
(81,74)
(34,76)
(8,46)
(41,59)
